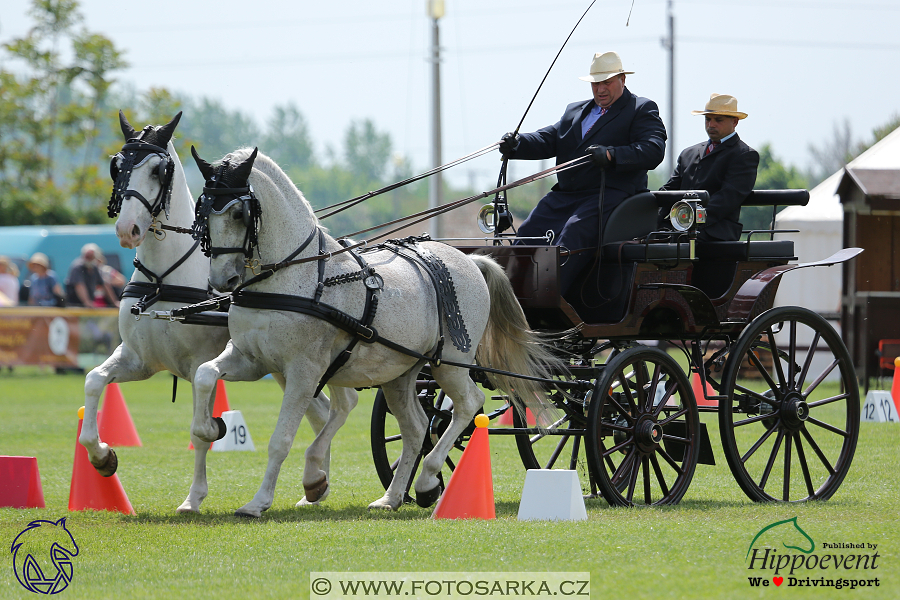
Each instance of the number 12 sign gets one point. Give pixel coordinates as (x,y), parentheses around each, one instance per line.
(879,408)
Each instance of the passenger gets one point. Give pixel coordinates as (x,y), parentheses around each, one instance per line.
(85,284)
(9,282)
(724,166)
(44,289)
(622,133)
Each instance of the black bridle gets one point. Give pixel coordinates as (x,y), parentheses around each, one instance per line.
(217,200)
(135,153)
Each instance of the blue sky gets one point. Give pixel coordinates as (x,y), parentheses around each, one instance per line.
(796,66)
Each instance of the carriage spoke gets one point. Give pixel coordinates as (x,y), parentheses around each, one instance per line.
(556,452)
(645,467)
(619,446)
(813,346)
(768,415)
(759,442)
(827,427)
(622,410)
(792,352)
(632,406)
(640,369)
(801,456)
(576,448)
(670,460)
(659,475)
(776,360)
(654,383)
(786,496)
(751,393)
(450,463)
(625,465)
(671,418)
(843,396)
(772,457)
(818,451)
(751,356)
(812,387)
(671,385)
(632,479)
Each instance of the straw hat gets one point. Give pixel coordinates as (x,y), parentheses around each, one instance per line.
(721,104)
(604,66)
(39,258)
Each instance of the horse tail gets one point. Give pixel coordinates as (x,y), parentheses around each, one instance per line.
(510,345)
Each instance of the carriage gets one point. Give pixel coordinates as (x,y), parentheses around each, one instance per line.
(656,310)
(780,379)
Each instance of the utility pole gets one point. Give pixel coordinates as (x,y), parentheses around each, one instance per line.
(435,187)
(669,44)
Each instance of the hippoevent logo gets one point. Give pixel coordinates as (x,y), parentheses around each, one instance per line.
(782,553)
(42,556)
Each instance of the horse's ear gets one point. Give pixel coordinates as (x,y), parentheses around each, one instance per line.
(206,169)
(243,170)
(127,130)
(165,132)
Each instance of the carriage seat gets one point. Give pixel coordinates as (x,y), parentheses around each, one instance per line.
(766,250)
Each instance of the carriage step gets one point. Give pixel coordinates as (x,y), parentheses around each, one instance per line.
(676,449)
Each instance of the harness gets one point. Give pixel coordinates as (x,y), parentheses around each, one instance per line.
(135,153)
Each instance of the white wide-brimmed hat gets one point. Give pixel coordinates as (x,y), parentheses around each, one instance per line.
(39,258)
(604,66)
(721,104)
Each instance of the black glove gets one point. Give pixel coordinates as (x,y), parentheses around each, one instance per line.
(508,144)
(598,155)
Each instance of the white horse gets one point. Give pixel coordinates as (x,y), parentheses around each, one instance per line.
(272,222)
(152,196)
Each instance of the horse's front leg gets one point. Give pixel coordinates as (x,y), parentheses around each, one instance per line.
(315,473)
(122,365)
(298,394)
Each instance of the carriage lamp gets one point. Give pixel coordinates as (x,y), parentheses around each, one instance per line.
(494,218)
(685,213)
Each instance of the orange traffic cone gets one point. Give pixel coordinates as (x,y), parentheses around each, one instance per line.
(22,482)
(219,407)
(697,386)
(115,425)
(91,490)
(470,491)
(507,417)
(895,386)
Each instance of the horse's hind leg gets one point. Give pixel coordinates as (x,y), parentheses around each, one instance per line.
(122,365)
(467,398)
(315,473)
(400,395)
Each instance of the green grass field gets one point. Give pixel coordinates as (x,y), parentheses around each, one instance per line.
(694,550)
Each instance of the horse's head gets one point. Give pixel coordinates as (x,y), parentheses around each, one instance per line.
(142,174)
(227,218)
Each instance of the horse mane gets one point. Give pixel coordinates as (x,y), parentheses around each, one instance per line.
(278,177)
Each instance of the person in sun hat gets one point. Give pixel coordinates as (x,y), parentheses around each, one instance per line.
(44,289)
(624,136)
(723,165)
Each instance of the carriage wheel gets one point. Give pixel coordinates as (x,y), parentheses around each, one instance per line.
(387,442)
(786,426)
(643,429)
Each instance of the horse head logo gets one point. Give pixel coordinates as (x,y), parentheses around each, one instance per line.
(786,531)
(42,556)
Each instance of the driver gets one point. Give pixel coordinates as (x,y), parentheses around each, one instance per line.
(624,136)
(724,166)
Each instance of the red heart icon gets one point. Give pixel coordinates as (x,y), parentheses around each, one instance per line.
(778,580)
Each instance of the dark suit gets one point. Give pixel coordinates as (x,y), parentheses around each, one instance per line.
(728,173)
(637,138)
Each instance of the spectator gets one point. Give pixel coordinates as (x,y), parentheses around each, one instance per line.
(45,288)
(84,283)
(9,282)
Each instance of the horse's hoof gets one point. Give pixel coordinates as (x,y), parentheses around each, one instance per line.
(187,508)
(316,491)
(223,428)
(108,467)
(382,504)
(245,515)
(426,499)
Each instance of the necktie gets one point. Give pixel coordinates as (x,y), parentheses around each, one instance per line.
(710,147)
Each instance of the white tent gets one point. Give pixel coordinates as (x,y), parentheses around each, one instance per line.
(821,233)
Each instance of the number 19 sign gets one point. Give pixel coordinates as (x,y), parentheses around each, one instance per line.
(879,407)
(237,436)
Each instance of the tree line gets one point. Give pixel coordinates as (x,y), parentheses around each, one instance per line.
(58,128)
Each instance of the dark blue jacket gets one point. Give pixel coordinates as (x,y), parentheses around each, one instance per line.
(631,127)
